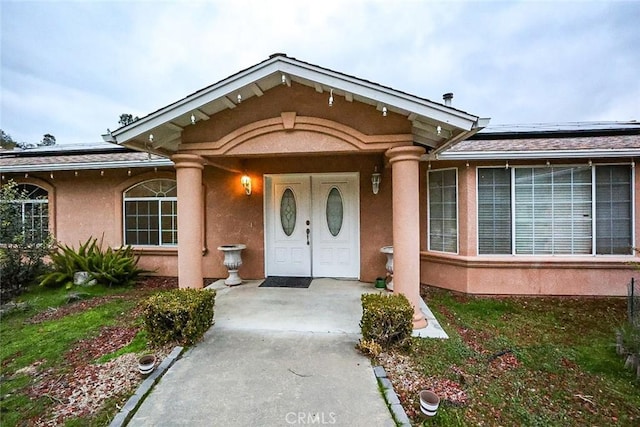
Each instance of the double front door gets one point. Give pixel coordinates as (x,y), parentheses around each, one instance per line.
(312,225)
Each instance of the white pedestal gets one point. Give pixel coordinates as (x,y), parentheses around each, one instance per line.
(388,251)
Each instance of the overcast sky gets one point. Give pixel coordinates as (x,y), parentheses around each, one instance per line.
(71,68)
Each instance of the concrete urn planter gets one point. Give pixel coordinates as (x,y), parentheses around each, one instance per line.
(233,261)
(388,251)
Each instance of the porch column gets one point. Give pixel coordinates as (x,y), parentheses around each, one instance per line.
(190,214)
(406,226)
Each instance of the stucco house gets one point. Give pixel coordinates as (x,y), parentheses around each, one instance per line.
(315,170)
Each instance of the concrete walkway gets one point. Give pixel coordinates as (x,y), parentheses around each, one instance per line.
(275,357)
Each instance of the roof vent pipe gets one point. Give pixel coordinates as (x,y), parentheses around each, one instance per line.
(447,98)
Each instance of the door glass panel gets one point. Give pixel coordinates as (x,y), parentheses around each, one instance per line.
(288,212)
(335,211)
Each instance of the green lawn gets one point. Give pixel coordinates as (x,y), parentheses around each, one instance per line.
(523,361)
(40,341)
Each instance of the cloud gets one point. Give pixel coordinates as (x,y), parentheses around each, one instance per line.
(74,67)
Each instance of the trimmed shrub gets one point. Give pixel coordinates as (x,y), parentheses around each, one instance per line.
(178,315)
(386,320)
(110,267)
(369,348)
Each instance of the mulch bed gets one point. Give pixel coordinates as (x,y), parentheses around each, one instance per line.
(408,381)
(80,387)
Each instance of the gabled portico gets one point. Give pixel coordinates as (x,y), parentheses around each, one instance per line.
(282,117)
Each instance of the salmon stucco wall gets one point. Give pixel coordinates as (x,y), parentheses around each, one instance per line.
(233,217)
(89,204)
(471,273)
(302,100)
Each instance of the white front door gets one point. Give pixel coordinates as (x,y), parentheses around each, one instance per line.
(312,225)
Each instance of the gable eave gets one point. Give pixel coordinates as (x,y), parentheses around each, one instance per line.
(168,122)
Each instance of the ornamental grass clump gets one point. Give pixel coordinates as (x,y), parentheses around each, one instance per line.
(108,267)
(386,320)
(178,315)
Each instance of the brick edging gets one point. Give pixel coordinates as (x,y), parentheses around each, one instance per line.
(390,396)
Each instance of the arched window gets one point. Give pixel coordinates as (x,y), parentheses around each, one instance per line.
(151,213)
(27,213)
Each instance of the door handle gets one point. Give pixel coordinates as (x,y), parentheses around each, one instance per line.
(308,232)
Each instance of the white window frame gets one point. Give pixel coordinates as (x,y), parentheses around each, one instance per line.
(633,207)
(593,210)
(457,251)
(23,204)
(158,200)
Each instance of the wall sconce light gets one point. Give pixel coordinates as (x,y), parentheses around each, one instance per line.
(384,111)
(193,119)
(376,177)
(246,184)
(331,98)
(239,98)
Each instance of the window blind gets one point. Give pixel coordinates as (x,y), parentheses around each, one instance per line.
(443,211)
(494,211)
(613,210)
(553,210)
